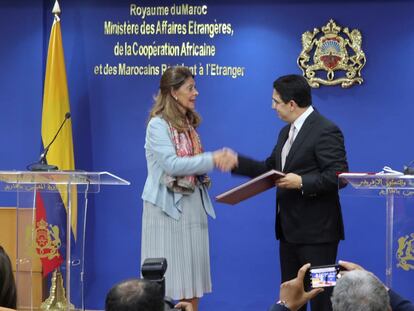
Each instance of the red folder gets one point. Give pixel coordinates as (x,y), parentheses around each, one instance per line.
(251,188)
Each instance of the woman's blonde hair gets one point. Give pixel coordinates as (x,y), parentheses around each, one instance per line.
(167,107)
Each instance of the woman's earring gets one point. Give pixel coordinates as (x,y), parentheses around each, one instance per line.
(175,97)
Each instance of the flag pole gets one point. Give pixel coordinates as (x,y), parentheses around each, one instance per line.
(57,300)
(56,9)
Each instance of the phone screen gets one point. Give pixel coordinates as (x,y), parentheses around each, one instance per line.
(324,276)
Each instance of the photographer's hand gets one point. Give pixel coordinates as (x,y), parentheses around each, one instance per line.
(183,305)
(292,293)
(349,266)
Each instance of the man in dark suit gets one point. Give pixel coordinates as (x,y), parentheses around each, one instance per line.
(310,150)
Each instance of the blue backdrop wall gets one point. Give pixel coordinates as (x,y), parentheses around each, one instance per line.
(109,115)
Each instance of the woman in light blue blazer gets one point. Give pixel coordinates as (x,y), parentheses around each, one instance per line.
(176,201)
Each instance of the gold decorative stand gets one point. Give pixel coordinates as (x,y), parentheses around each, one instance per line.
(57,297)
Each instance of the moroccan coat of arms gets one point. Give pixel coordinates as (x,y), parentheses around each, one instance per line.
(330,56)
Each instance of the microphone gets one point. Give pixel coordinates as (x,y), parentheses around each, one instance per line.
(408,169)
(42,165)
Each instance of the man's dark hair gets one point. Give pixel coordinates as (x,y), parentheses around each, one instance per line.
(135,295)
(8,293)
(294,87)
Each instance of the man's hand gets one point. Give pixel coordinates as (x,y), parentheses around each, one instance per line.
(290,181)
(225,159)
(349,266)
(293,293)
(183,305)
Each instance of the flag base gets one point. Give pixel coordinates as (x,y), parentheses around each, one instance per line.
(57,296)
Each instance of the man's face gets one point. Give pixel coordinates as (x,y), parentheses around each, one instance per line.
(284,110)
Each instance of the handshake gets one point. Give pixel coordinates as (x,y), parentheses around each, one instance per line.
(225,159)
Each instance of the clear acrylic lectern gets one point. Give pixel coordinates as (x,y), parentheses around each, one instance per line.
(397,190)
(39,242)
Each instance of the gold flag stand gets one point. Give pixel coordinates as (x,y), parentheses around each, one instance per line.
(57,296)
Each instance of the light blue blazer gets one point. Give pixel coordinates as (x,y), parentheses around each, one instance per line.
(162,158)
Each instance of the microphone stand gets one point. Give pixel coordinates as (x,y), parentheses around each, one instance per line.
(42,165)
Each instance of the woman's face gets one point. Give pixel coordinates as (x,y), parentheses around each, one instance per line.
(186,94)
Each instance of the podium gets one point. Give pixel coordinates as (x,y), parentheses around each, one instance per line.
(397,191)
(52,196)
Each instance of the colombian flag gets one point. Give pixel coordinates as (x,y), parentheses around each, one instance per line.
(51,207)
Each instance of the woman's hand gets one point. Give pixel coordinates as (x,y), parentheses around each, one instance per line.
(225,159)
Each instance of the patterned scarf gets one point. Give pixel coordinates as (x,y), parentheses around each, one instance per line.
(186,144)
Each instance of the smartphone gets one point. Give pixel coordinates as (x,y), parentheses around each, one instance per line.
(324,276)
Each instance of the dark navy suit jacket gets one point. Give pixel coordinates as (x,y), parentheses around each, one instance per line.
(398,303)
(313,214)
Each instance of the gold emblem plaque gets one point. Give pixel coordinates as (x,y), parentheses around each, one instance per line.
(405,252)
(337,53)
